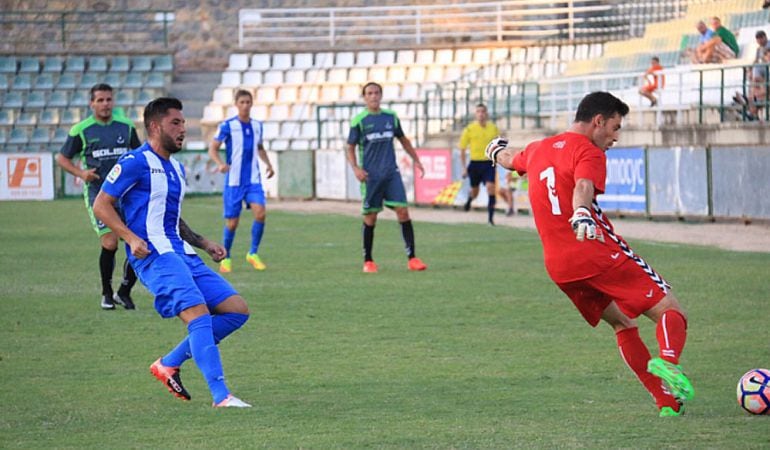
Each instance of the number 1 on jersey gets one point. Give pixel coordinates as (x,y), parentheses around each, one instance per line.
(550,181)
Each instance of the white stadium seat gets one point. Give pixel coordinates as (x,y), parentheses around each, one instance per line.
(238,61)
(251,78)
(230,79)
(303,60)
(344,59)
(365,59)
(260,61)
(424,56)
(281,61)
(386,57)
(444,56)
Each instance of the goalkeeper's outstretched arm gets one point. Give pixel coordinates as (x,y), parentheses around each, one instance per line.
(498,152)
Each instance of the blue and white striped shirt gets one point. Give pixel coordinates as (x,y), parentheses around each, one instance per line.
(151,190)
(242,141)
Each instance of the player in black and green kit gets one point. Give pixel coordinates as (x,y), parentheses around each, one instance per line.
(372,131)
(99,141)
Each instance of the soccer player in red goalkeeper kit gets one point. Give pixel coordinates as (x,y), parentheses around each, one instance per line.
(584,256)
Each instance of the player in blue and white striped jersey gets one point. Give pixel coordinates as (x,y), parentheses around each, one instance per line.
(242,136)
(150,185)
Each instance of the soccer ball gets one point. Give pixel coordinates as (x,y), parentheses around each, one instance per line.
(754,391)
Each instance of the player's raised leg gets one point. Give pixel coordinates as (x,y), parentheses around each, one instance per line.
(636,356)
(671,333)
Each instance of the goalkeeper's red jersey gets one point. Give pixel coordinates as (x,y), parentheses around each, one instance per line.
(554,165)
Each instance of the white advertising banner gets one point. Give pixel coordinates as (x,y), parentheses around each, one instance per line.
(330,174)
(26,176)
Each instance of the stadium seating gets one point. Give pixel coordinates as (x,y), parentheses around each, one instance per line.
(42,94)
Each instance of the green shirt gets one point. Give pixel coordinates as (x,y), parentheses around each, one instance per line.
(729,39)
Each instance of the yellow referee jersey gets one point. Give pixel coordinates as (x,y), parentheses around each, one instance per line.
(477,137)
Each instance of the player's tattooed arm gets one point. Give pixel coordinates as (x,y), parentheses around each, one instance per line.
(215,250)
(192,238)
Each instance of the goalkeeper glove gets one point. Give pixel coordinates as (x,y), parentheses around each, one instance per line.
(583,224)
(494,147)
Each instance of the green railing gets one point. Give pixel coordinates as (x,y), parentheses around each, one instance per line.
(722,95)
(41,31)
(333,120)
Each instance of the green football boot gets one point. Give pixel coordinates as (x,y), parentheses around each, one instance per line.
(673,378)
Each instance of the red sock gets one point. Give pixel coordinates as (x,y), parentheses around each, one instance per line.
(636,355)
(671,333)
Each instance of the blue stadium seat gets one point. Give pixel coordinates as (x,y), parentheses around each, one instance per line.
(53,64)
(3,136)
(155,80)
(40,135)
(13,99)
(97,64)
(44,81)
(164,63)
(144,97)
(80,98)
(119,64)
(18,136)
(29,64)
(6,117)
(75,64)
(70,117)
(4,84)
(114,79)
(134,80)
(88,80)
(59,136)
(26,119)
(35,100)
(141,63)
(8,64)
(22,82)
(124,98)
(59,99)
(49,117)
(67,80)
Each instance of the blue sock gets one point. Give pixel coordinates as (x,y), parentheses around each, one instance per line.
(257,228)
(221,324)
(228,236)
(206,356)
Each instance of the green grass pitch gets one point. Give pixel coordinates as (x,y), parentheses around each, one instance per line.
(480,351)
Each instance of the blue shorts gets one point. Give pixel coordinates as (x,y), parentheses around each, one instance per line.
(179,282)
(235,196)
(388,190)
(481,172)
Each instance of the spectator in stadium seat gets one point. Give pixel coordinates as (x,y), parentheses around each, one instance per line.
(756,76)
(605,279)
(652,80)
(705,34)
(242,136)
(150,183)
(372,131)
(720,47)
(98,141)
(480,170)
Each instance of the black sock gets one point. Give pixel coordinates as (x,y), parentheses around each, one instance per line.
(368,232)
(491,208)
(407,232)
(106,266)
(129,279)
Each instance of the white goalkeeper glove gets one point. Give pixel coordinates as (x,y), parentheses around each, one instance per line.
(494,147)
(583,224)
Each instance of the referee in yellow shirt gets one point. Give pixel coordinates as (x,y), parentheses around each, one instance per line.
(476,136)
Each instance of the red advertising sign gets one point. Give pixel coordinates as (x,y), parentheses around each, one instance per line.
(438,174)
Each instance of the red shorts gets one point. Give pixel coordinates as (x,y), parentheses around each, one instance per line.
(649,88)
(633,286)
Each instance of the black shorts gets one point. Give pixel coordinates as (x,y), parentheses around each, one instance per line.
(481,172)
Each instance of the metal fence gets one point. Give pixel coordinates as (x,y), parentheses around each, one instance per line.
(57,31)
(461,23)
